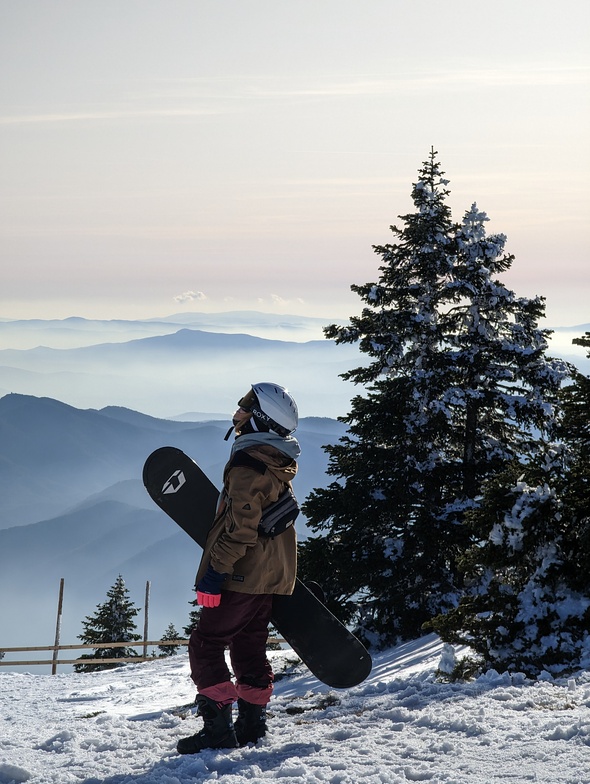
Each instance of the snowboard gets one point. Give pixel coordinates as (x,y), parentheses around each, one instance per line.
(330,651)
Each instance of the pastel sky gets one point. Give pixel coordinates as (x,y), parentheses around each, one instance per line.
(167,155)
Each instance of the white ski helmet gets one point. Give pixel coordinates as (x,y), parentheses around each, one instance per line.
(273,406)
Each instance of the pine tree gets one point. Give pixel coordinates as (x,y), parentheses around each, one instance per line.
(193,618)
(169,634)
(112,622)
(454,388)
(575,430)
(528,603)
(506,391)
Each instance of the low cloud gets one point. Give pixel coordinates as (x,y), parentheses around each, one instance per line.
(278,301)
(190,296)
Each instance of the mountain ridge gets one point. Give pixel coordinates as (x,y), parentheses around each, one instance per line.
(166,374)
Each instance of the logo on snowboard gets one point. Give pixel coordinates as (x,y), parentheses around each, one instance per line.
(175,482)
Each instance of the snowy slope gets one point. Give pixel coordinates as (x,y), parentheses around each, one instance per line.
(401,725)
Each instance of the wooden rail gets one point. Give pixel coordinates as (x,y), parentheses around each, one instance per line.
(55,660)
(130,644)
(125,659)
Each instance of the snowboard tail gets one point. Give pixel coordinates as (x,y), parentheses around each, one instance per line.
(332,653)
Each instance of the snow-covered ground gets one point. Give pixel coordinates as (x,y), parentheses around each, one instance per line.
(401,725)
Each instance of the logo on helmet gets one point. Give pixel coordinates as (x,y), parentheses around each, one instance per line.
(262,416)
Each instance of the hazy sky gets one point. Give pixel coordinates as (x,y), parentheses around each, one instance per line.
(167,155)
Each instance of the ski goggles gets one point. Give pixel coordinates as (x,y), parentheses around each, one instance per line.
(248,401)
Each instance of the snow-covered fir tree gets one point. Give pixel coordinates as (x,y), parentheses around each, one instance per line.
(113,621)
(170,634)
(457,386)
(575,431)
(506,390)
(527,606)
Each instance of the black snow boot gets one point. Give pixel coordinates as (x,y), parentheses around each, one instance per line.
(251,722)
(218,730)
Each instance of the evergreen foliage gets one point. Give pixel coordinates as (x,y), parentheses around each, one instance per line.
(112,622)
(457,387)
(575,431)
(193,618)
(169,634)
(527,606)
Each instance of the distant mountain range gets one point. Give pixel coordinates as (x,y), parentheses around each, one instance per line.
(188,370)
(75,332)
(72,505)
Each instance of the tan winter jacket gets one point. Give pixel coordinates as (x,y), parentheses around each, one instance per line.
(255,564)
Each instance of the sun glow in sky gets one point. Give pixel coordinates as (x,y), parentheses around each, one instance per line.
(168,155)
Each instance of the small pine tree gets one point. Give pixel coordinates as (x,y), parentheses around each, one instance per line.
(193,619)
(112,622)
(169,634)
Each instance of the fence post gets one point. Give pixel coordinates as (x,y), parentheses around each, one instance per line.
(58,627)
(146,617)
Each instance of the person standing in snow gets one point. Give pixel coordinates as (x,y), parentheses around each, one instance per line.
(240,571)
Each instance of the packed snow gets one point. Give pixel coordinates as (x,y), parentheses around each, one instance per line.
(403,724)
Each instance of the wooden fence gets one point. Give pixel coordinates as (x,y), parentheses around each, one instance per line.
(122,660)
(55,661)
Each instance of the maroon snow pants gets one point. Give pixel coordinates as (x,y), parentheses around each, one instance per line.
(240,623)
